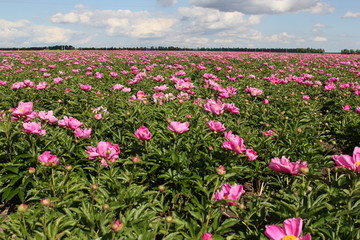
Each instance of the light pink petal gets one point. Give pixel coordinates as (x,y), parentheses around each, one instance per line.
(274,232)
(306,237)
(344,161)
(356,154)
(293,226)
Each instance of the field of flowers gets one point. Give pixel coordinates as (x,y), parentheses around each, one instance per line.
(179,145)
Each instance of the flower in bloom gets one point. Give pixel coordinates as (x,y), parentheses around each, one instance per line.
(229,192)
(305,97)
(33,128)
(352,163)
(105,151)
(143,133)
(207,236)
(291,230)
(85,87)
(24,109)
(178,127)
(268,133)
(357,110)
(254,91)
(284,165)
(70,122)
(231,108)
(251,154)
(48,159)
(47,116)
(83,133)
(347,107)
(216,126)
(235,143)
(214,107)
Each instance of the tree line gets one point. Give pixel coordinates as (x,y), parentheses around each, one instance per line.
(172,48)
(350,51)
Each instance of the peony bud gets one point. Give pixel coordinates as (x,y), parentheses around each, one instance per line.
(116,226)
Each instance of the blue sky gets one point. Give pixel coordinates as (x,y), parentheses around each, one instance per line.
(328,24)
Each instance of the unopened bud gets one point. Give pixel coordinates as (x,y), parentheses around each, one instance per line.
(221,170)
(22,207)
(161,187)
(116,226)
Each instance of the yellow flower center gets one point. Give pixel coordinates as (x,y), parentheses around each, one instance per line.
(21,110)
(289,237)
(226,196)
(357,164)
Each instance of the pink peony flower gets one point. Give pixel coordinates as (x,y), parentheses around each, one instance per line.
(83,133)
(23,109)
(85,87)
(232,108)
(143,133)
(33,128)
(305,97)
(214,107)
(268,133)
(178,127)
(235,143)
(357,110)
(291,230)
(48,159)
(216,126)
(105,151)
(70,122)
(251,154)
(229,192)
(207,236)
(352,163)
(284,165)
(347,107)
(47,116)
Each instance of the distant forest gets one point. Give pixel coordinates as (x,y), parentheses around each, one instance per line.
(171,48)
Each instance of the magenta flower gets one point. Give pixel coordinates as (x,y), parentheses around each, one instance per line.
(232,108)
(290,230)
(347,107)
(251,154)
(85,87)
(284,165)
(178,127)
(23,109)
(143,133)
(229,192)
(207,236)
(83,133)
(105,151)
(346,161)
(216,126)
(48,159)
(70,122)
(47,116)
(33,128)
(235,143)
(214,107)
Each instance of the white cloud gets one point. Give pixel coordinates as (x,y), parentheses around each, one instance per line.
(119,22)
(265,7)
(350,14)
(319,39)
(317,27)
(166,3)
(205,19)
(196,41)
(24,32)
